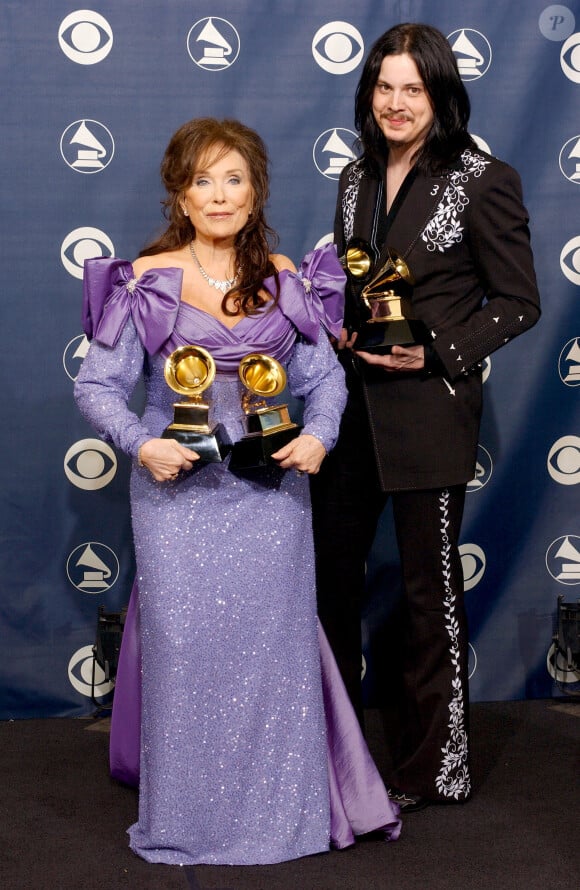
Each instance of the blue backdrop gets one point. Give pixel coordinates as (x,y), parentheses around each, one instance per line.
(89,100)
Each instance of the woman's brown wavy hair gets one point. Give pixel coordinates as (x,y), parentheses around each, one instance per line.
(196,145)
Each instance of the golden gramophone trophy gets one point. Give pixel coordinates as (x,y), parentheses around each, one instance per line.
(387,297)
(269,426)
(189,371)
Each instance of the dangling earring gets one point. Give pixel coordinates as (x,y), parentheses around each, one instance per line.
(185,213)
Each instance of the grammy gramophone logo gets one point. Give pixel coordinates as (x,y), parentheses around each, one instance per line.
(92,567)
(332,151)
(472,51)
(213,43)
(87,146)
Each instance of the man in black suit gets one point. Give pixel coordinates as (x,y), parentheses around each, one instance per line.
(421,190)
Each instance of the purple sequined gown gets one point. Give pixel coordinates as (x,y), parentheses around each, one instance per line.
(233,766)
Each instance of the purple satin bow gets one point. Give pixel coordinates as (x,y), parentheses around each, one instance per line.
(111,292)
(315,295)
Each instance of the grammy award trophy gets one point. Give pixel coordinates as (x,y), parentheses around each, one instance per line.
(269,426)
(387,297)
(189,371)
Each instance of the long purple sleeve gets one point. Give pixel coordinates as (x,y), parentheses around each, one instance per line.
(104,385)
(315,375)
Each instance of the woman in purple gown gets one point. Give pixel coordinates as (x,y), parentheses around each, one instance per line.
(243,759)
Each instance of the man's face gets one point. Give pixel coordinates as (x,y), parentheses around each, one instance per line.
(401,105)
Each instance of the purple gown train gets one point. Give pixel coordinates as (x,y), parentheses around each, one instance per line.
(247,752)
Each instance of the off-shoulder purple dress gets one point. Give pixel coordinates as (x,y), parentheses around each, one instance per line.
(234,753)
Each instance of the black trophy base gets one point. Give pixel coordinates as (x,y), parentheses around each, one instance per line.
(212,447)
(379,337)
(256,449)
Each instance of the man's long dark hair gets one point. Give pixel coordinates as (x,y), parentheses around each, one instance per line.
(436,64)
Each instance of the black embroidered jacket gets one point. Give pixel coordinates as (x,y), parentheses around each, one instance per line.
(466,240)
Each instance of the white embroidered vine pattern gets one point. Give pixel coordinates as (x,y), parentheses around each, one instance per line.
(453,778)
(444,229)
(355,175)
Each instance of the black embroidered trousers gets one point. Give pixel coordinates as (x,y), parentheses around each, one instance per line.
(425,683)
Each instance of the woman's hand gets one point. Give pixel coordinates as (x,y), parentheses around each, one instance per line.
(165,458)
(401,358)
(304,454)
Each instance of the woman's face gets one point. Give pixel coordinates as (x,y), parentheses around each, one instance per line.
(220,197)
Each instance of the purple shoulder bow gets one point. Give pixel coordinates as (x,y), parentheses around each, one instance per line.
(314,295)
(111,293)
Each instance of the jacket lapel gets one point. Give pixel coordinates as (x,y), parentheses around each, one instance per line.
(416,207)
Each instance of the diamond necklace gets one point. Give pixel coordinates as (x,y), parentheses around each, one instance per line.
(223,286)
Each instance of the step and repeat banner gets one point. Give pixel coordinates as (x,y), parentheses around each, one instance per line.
(90,96)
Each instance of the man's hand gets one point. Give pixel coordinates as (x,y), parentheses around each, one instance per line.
(401,358)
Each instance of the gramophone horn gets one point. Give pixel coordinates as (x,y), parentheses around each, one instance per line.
(358,262)
(262,374)
(358,258)
(395,269)
(189,370)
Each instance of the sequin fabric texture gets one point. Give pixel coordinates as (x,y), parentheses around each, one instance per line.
(233,746)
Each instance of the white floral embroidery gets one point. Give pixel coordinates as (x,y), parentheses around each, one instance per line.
(453,779)
(349,198)
(444,229)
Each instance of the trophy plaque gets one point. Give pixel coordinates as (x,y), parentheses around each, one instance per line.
(269,426)
(388,300)
(189,371)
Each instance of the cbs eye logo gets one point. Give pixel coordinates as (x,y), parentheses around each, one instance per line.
(338,47)
(80,674)
(473,562)
(84,244)
(570,260)
(564,461)
(570,58)
(558,667)
(90,464)
(85,37)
